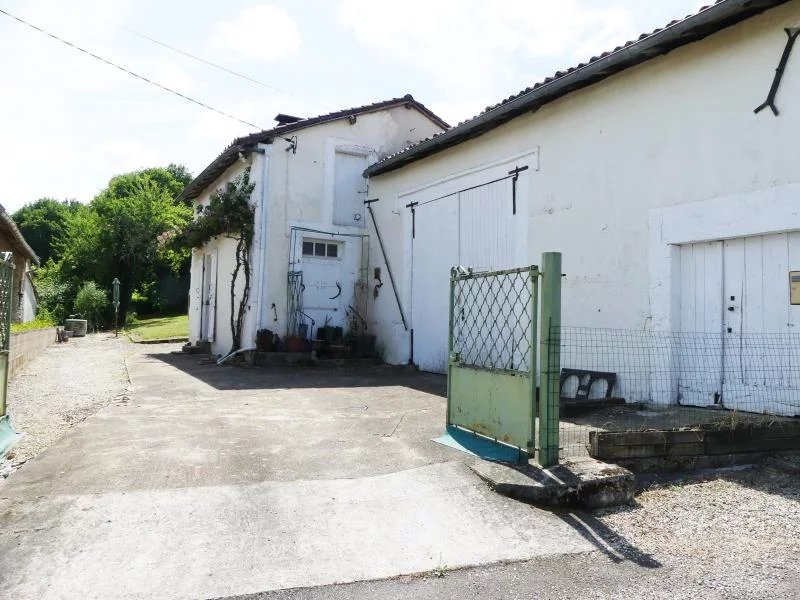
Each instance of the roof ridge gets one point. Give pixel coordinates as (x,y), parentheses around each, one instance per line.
(199,183)
(739,10)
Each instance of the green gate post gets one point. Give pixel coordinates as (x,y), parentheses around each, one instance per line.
(450,357)
(550,359)
(6,290)
(8,436)
(534,295)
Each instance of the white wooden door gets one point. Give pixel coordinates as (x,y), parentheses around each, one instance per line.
(762,329)
(330,271)
(698,348)
(474,228)
(737,292)
(208,310)
(434,253)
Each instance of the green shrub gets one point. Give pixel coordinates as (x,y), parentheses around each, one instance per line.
(42,321)
(91,303)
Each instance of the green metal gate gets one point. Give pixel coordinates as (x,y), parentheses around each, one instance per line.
(492,350)
(491,377)
(7,434)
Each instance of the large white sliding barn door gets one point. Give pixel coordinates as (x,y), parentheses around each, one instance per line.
(743,350)
(475,228)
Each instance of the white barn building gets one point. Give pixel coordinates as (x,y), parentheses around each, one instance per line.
(311,243)
(675,203)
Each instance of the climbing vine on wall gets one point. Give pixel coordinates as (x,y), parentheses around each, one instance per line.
(228,214)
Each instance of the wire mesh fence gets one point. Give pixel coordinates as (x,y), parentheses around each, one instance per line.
(492,319)
(629,380)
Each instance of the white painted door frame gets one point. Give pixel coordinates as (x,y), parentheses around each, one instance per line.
(208,308)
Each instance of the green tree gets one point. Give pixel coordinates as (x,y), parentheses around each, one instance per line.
(121,235)
(91,303)
(43,224)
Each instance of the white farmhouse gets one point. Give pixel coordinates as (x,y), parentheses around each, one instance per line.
(657,169)
(311,243)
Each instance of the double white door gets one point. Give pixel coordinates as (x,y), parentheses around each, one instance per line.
(741,340)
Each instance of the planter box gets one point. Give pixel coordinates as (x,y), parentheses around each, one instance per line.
(778,436)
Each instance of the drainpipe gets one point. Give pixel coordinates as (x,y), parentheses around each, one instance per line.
(262,238)
(234,353)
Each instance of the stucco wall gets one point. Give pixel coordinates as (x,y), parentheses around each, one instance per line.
(224,249)
(293,189)
(301,186)
(28,345)
(614,158)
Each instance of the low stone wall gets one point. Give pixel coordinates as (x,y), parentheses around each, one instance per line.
(28,345)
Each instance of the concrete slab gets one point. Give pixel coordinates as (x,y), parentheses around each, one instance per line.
(222,540)
(579,482)
(214,481)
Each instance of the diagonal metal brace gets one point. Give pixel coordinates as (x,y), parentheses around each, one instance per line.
(792,33)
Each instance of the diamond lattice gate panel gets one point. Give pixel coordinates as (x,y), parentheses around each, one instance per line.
(492,355)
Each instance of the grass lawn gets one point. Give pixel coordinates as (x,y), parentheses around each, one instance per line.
(159,328)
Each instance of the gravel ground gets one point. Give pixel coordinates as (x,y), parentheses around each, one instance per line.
(60,388)
(734,534)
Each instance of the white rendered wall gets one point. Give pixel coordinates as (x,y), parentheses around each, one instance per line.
(298,191)
(301,188)
(225,249)
(614,158)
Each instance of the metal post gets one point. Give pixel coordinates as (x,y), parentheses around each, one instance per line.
(550,359)
(115,288)
(7,266)
(534,295)
(450,356)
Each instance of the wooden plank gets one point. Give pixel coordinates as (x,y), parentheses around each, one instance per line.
(721,446)
(655,444)
(643,438)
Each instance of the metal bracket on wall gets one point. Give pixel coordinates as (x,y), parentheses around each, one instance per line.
(412,206)
(514,176)
(792,33)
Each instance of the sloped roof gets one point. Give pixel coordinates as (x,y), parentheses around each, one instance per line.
(692,28)
(7,224)
(241,144)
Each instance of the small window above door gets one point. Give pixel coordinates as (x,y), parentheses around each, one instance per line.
(321,249)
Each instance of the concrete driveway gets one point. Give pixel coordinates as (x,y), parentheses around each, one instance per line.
(214,481)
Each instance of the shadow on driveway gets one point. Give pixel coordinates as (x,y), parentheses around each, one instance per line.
(241,377)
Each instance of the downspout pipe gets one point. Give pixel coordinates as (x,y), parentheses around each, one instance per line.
(262,249)
(234,353)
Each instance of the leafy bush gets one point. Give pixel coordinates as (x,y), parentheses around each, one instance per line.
(91,303)
(42,321)
(56,294)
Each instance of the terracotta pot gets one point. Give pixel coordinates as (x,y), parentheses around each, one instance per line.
(295,343)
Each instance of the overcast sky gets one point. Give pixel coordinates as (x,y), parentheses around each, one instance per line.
(69,122)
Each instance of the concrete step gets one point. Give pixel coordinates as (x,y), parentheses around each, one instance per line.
(580,482)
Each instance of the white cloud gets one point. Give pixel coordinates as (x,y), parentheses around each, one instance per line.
(260,32)
(475,43)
